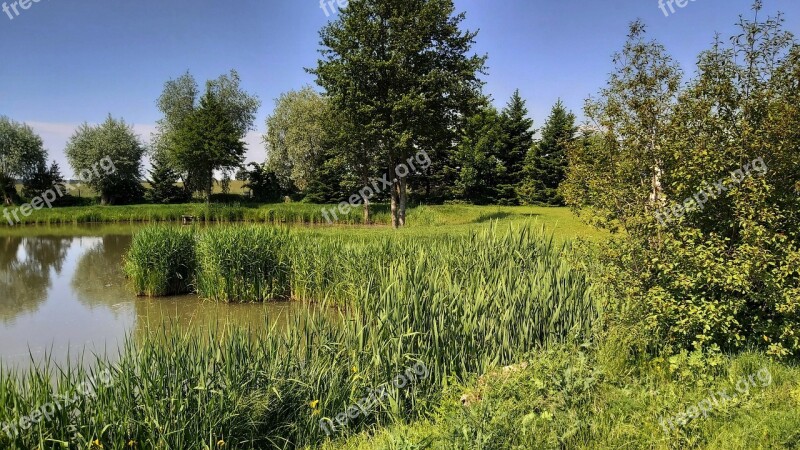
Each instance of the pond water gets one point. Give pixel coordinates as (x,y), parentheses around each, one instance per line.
(63,292)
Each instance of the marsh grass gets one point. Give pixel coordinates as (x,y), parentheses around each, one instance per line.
(243,264)
(162,261)
(458,305)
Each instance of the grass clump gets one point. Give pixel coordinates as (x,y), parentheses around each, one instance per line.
(243,264)
(162,261)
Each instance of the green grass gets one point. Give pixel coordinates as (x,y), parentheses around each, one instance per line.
(162,261)
(460,305)
(567,397)
(441,219)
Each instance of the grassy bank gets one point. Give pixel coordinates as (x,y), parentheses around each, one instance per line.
(459,306)
(439,218)
(567,397)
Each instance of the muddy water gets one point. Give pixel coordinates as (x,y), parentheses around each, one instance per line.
(63,293)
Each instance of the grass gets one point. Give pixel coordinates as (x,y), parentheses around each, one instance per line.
(441,219)
(458,305)
(162,261)
(568,397)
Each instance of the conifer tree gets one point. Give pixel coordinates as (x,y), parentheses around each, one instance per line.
(546,162)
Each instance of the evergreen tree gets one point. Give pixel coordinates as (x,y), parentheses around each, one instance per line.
(401,73)
(163,179)
(546,162)
(263,183)
(518,131)
(480,170)
(45,178)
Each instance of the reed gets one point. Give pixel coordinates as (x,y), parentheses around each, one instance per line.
(243,264)
(459,305)
(162,261)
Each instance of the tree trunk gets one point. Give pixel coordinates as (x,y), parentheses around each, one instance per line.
(209,189)
(395,203)
(401,213)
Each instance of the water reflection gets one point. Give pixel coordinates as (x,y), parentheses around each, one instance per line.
(66,295)
(25,269)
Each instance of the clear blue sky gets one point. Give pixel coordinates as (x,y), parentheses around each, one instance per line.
(66,62)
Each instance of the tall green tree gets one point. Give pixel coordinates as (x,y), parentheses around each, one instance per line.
(296,139)
(45,178)
(21,155)
(179,103)
(477,158)
(400,72)
(208,140)
(108,158)
(518,130)
(163,183)
(546,162)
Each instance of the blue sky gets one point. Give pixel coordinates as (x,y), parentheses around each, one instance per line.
(67,62)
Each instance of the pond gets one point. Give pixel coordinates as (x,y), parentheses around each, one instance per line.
(63,292)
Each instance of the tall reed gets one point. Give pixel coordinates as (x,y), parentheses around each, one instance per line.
(243,264)
(162,261)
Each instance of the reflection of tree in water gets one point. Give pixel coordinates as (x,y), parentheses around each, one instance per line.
(25,276)
(99,279)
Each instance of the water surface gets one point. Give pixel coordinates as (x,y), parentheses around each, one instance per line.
(63,292)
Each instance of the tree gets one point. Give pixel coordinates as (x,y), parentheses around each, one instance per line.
(235,112)
(21,155)
(263,183)
(702,179)
(400,73)
(44,179)
(480,170)
(518,130)
(546,162)
(208,140)
(108,158)
(295,139)
(163,183)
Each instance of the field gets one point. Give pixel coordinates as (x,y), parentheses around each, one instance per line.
(489,317)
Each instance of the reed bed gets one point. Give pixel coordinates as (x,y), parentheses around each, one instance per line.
(162,261)
(459,305)
(243,264)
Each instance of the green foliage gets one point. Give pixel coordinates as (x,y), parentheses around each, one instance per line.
(163,183)
(404,100)
(263,183)
(197,136)
(546,162)
(725,273)
(296,137)
(518,134)
(162,261)
(22,154)
(44,179)
(108,158)
(480,169)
